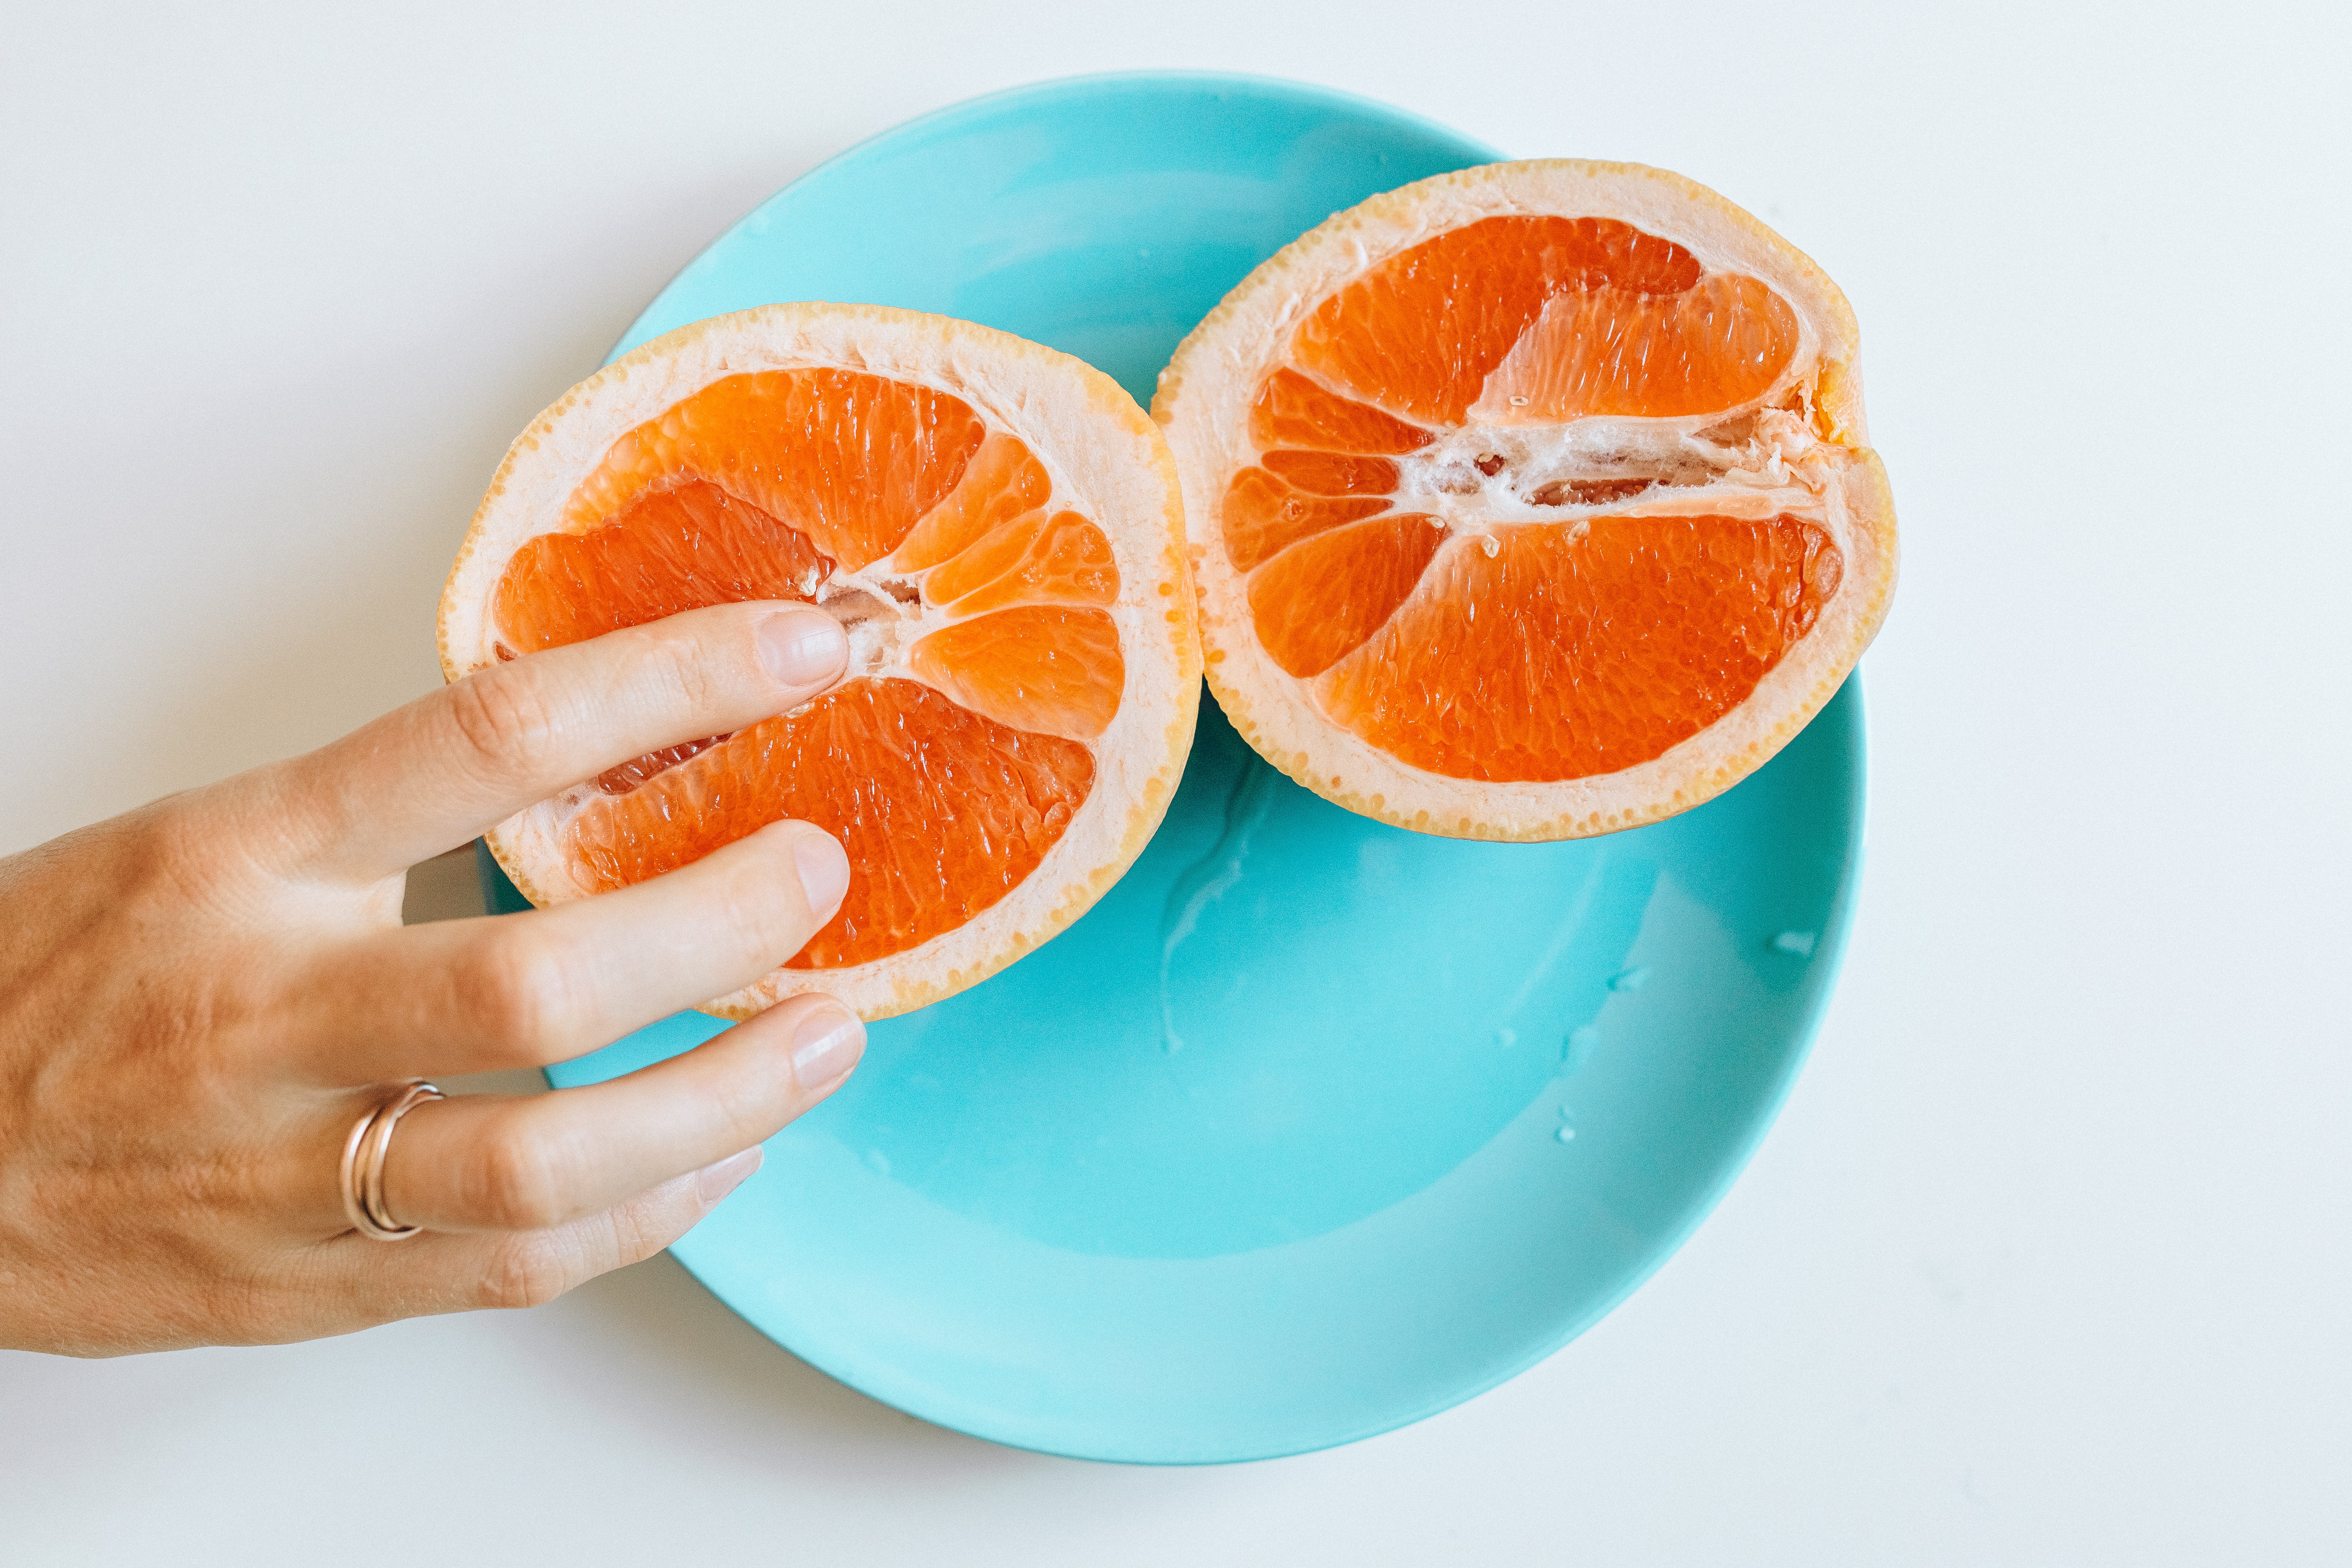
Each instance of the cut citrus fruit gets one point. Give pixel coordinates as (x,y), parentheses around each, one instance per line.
(998,527)
(1531,501)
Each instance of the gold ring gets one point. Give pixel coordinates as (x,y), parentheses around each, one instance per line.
(364,1154)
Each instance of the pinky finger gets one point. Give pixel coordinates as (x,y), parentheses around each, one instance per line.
(439,1272)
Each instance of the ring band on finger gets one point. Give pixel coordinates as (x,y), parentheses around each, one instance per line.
(363,1170)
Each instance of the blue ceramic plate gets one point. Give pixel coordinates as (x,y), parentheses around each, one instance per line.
(1313,1127)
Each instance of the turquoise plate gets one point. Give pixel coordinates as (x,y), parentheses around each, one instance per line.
(1312,1127)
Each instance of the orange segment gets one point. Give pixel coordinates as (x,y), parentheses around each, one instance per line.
(1263,516)
(628,775)
(1292,411)
(1332,474)
(852,460)
(1033,559)
(1583,649)
(1709,348)
(1049,668)
(1319,601)
(1002,481)
(665,552)
(943,812)
(1420,333)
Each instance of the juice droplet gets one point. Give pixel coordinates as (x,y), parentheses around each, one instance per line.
(1631,979)
(1580,1041)
(1566,1134)
(1800,942)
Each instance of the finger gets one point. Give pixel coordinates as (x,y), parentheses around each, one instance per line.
(438,772)
(546,985)
(492,1162)
(452,1273)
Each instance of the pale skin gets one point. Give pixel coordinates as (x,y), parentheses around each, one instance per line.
(199,998)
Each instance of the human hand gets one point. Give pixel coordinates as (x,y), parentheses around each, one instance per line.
(199,999)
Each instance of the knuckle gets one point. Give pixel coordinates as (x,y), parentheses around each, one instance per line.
(640,1230)
(693,678)
(503,721)
(514,1185)
(760,903)
(524,1272)
(168,839)
(515,990)
(753,1107)
(180,842)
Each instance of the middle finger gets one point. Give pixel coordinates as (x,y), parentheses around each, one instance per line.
(525,990)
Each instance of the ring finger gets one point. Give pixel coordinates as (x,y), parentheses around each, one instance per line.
(485,1162)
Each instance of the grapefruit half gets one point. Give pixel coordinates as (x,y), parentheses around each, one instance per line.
(1531,501)
(998,528)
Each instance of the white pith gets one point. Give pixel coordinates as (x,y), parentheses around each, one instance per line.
(1105,459)
(1797,448)
(1773,464)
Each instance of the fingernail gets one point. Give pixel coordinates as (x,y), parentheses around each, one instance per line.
(803,648)
(825,1046)
(824,866)
(713,1182)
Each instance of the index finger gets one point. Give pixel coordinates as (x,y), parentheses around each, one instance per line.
(443,769)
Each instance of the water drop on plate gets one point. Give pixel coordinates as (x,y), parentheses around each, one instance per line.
(1797,941)
(1566,1134)
(1631,979)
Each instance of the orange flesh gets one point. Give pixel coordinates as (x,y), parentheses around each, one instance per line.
(670,551)
(851,460)
(947,789)
(1292,411)
(1420,334)
(1263,516)
(1033,559)
(943,812)
(1047,667)
(1002,481)
(1617,644)
(1314,604)
(1529,651)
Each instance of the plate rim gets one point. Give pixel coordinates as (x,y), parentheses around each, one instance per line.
(1038,92)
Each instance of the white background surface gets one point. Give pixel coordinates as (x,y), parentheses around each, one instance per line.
(2046,1261)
